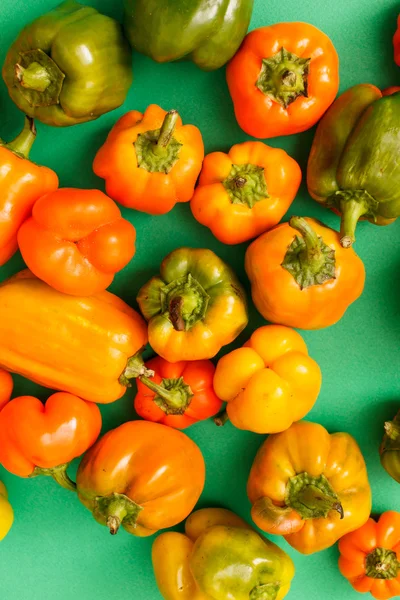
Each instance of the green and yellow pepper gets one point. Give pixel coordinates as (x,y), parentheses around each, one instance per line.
(6,512)
(194,307)
(220,557)
(208,33)
(353,166)
(390,448)
(69,66)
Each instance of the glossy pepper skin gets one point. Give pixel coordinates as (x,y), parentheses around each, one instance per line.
(42,439)
(76,240)
(208,562)
(301,276)
(6,388)
(390,448)
(194,307)
(206,33)
(178,394)
(309,486)
(22,182)
(245,192)
(268,383)
(353,165)
(92,337)
(283,79)
(69,66)
(150,161)
(370,557)
(143,476)
(396,43)
(6,512)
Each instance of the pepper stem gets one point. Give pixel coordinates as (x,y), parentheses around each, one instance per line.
(382,563)
(267,591)
(308,259)
(312,497)
(173,396)
(115,509)
(135,368)
(59,474)
(352,211)
(392,429)
(23,143)
(221,419)
(33,77)
(185,301)
(166,131)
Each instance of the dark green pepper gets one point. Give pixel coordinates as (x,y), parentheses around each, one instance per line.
(208,33)
(69,66)
(353,166)
(390,448)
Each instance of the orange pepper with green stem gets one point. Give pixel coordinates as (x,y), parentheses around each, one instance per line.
(283,79)
(6,387)
(141,476)
(309,486)
(177,394)
(305,281)
(22,182)
(269,383)
(76,240)
(42,439)
(150,161)
(370,557)
(245,192)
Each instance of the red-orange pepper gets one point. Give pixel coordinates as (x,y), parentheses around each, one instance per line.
(178,394)
(370,557)
(396,43)
(76,240)
(22,182)
(42,439)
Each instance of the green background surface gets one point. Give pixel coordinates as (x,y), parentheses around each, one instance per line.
(55,548)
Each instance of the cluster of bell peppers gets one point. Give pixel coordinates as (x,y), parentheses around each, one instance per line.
(305,484)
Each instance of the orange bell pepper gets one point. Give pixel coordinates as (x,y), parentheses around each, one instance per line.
(283,79)
(370,557)
(309,486)
(143,476)
(37,439)
(245,192)
(6,387)
(177,394)
(22,182)
(76,240)
(269,383)
(77,345)
(396,43)
(150,161)
(305,281)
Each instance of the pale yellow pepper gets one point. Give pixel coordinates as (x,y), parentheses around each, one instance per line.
(6,512)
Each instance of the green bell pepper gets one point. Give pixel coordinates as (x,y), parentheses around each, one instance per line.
(69,66)
(231,562)
(390,448)
(194,307)
(353,166)
(208,33)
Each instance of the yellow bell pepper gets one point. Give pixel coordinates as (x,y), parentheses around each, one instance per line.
(207,563)
(6,512)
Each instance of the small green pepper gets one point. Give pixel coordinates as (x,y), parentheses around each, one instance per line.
(390,448)
(208,33)
(69,66)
